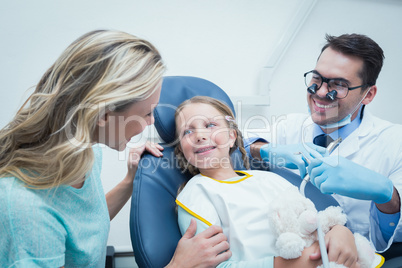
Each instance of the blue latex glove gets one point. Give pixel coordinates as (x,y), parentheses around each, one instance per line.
(287,155)
(336,174)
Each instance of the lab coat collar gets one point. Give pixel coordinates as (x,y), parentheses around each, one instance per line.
(367,124)
(308,130)
(344,131)
(352,142)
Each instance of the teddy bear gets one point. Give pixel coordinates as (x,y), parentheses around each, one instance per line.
(294,219)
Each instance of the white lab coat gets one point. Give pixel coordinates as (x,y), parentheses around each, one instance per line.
(375,144)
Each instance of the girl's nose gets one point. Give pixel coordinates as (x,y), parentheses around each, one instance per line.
(201,135)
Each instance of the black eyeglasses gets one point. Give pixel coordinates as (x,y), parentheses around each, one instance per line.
(337,87)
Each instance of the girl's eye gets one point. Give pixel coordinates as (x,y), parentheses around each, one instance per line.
(185,132)
(211,125)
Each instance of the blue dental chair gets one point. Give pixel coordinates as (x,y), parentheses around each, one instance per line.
(153,220)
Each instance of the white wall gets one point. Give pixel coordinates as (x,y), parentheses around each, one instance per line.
(225,41)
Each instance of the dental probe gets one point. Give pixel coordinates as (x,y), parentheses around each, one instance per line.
(331,147)
(324,255)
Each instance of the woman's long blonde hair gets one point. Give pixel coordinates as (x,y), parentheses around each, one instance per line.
(225,111)
(48,143)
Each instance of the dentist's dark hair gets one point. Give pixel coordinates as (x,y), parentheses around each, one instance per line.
(360,46)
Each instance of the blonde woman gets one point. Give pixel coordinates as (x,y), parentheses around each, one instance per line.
(53,211)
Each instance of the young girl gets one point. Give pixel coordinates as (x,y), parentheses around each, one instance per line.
(238,201)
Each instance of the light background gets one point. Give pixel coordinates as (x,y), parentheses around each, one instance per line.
(225,41)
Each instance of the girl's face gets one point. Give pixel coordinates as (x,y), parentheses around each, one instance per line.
(117,128)
(205,138)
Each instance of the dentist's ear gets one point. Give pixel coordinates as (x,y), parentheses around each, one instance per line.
(370,95)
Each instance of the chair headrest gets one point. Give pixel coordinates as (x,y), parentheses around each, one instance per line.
(175,90)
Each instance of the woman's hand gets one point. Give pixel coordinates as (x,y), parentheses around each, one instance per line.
(206,249)
(121,193)
(341,247)
(136,153)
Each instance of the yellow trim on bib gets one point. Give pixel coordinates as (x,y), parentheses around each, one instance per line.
(192,213)
(381,262)
(231,182)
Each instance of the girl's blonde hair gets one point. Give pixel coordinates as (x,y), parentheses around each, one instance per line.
(225,111)
(48,143)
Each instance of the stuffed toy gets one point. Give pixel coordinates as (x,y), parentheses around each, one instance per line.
(294,218)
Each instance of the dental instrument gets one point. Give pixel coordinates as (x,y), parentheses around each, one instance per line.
(331,147)
(324,255)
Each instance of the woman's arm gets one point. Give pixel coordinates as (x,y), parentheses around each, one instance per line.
(222,260)
(206,249)
(201,245)
(121,193)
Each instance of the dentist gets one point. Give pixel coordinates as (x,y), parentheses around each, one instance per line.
(364,173)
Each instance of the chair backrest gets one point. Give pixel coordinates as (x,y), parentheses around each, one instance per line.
(153,219)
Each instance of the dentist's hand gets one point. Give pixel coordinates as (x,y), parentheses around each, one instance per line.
(336,174)
(288,155)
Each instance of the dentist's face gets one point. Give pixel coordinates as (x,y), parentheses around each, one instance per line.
(333,64)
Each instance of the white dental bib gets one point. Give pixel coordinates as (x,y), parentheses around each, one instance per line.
(240,206)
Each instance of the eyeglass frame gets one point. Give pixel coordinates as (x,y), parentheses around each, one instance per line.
(327,80)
